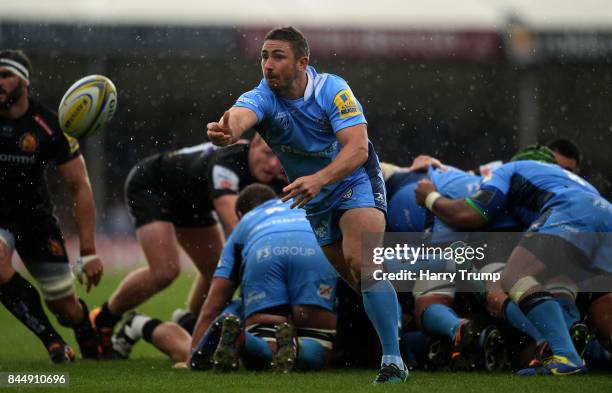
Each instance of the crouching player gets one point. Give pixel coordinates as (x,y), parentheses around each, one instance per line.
(287,296)
(287,287)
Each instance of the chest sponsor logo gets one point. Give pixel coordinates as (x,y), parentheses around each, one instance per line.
(18,159)
(346,104)
(225,179)
(326,153)
(28,142)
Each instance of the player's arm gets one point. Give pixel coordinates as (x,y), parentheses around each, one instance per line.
(228,130)
(354,153)
(219,295)
(225,206)
(74,173)
(458,213)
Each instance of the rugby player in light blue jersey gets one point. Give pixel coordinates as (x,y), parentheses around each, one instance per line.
(559,206)
(434,299)
(316,127)
(283,277)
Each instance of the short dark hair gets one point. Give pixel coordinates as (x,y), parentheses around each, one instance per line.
(293,36)
(566,147)
(17,55)
(252,196)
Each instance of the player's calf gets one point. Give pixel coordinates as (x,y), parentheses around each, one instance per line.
(23,301)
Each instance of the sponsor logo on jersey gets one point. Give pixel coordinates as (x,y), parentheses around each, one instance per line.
(263,253)
(328,152)
(28,142)
(18,159)
(325,291)
(55,247)
(225,179)
(254,297)
(346,104)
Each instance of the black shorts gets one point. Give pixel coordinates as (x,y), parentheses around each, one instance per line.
(148,200)
(39,242)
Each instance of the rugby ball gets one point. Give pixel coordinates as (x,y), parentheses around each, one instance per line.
(87,106)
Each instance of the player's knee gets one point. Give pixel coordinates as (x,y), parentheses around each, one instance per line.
(163,278)
(507,281)
(57,288)
(517,288)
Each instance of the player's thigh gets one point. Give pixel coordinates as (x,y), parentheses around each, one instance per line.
(159,243)
(314,317)
(43,253)
(354,223)
(521,263)
(203,245)
(7,246)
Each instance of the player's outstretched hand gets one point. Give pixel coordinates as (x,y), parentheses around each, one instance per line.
(92,270)
(303,189)
(424,188)
(219,133)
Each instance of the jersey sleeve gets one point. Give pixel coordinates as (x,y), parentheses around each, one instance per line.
(226,174)
(63,147)
(257,101)
(340,104)
(492,197)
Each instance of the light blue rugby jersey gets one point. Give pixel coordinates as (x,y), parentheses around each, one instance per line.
(529,188)
(302,132)
(270,217)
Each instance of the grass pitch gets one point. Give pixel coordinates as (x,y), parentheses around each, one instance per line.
(149,371)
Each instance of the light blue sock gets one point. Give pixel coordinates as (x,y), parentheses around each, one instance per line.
(257,355)
(311,355)
(440,319)
(570,311)
(548,319)
(517,319)
(381,305)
